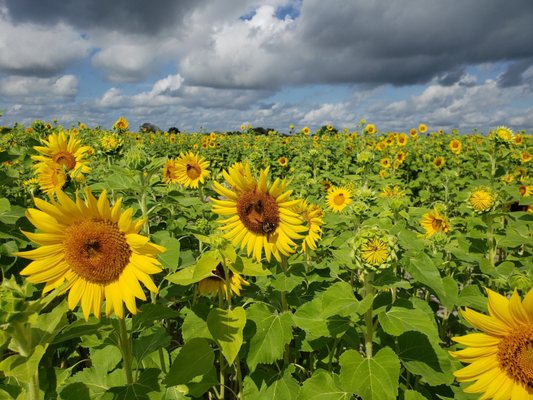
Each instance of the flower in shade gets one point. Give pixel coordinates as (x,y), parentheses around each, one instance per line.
(64,151)
(434,222)
(191,170)
(216,283)
(500,357)
(338,198)
(481,199)
(256,214)
(51,178)
(455,146)
(312,216)
(93,250)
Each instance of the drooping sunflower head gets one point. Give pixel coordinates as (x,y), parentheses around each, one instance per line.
(93,250)
(191,170)
(256,214)
(482,199)
(434,222)
(501,356)
(338,198)
(216,283)
(66,152)
(312,217)
(455,146)
(373,248)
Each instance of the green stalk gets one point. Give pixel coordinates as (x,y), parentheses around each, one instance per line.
(490,241)
(221,356)
(126,350)
(369,333)
(285,306)
(33,386)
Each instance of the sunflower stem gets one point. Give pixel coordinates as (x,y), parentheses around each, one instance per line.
(125,349)
(221,360)
(285,306)
(490,241)
(33,386)
(369,334)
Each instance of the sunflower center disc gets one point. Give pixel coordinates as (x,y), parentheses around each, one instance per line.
(96,250)
(66,159)
(339,199)
(193,171)
(515,355)
(258,212)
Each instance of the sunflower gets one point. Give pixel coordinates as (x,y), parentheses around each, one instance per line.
(65,151)
(370,129)
(110,143)
(526,156)
(191,169)
(500,357)
(402,139)
(312,215)
(518,139)
(439,162)
(306,131)
(434,222)
(326,184)
(385,162)
(481,200)
(455,146)
(51,178)
(401,156)
(392,192)
(257,215)
(329,127)
(92,250)
(373,248)
(213,136)
(413,133)
(525,191)
(422,128)
(504,134)
(121,124)
(169,171)
(283,161)
(338,198)
(216,283)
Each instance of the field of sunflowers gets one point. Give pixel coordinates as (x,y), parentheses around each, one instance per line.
(319,263)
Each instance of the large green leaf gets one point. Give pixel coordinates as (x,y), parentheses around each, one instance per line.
(149,313)
(403,317)
(195,358)
(426,359)
(150,340)
(272,332)
(373,378)
(226,327)
(194,326)
(422,268)
(322,386)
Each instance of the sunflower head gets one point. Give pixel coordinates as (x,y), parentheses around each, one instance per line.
(216,283)
(312,217)
(338,198)
(402,139)
(501,355)
(526,156)
(283,161)
(370,129)
(51,178)
(455,146)
(482,199)
(503,134)
(121,124)
(191,170)
(306,130)
(257,215)
(434,222)
(373,248)
(110,143)
(439,162)
(93,250)
(422,128)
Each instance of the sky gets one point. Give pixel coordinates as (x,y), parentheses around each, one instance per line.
(216,64)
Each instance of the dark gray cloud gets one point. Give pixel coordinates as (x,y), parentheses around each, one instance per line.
(135,16)
(513,76)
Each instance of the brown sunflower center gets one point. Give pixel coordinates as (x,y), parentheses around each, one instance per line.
(193,171)
(66,159)
(515,355)
(96,250)
(438,224)
(339,199)
(258,212)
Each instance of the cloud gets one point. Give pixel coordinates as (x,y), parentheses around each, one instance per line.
(28,88)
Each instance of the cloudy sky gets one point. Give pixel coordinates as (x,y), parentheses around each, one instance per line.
(215,64)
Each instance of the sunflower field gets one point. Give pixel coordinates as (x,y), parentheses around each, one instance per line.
(316,264)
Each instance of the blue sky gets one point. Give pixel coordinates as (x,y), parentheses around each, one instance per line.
(215,64)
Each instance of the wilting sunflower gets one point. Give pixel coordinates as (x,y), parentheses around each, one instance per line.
(93,250)
(338,198)
(283,161)
(257,215)
(51,177)
(191,169)
(65,151)
(500,357)
(434,222)
(481,199)
(216,283)
(439,162)
(312,216)
(455,146)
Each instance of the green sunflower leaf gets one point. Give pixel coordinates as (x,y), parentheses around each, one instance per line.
(226,327)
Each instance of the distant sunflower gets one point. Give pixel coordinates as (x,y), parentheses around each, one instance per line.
(455,146)
(526,156)
(504,134)
(422,128)
(439,162)
(525,191)
(306,131)
(500,357)
(385,162)
(216,283)
(121,124)
(434,222)
(413,133)
(338,198)
(191,169)
(402,139)
(326,184)
(94,249)
(110,142)
(170,174)
(283,161)
(65,151)
(257,215)
(312,216)
(518,139)
(392,192)
(370,129)
(51,178)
